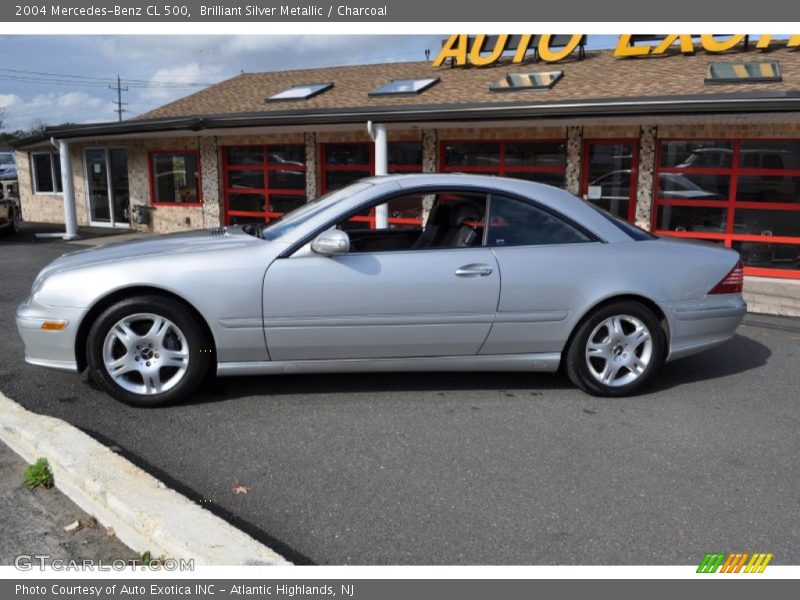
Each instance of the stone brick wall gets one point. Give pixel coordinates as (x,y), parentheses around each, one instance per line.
(645,178)
(574,159)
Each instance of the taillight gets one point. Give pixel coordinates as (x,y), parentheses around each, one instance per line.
(732,283)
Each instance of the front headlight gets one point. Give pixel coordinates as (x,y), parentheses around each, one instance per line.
(38,284)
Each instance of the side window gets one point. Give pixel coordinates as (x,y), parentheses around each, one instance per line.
(513,222)
(420,221)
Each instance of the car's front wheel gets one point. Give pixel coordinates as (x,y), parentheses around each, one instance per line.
(148,351)
(617,350)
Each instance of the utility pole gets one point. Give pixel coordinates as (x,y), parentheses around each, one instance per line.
(119,110)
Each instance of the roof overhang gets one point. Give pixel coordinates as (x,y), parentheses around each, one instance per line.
(709,104)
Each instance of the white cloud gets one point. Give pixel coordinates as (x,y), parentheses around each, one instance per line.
(9,100)
(188,73)
(54,108)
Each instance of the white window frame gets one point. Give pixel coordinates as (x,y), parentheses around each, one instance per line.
(34,183)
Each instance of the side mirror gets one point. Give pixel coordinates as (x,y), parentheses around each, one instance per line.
(332,242)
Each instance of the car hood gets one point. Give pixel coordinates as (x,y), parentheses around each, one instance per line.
(173,244)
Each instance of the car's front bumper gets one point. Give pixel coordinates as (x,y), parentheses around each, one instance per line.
(696,325)
(46,347)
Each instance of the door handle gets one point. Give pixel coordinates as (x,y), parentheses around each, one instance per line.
(474,270)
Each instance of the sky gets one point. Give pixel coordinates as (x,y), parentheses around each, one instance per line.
(60,79)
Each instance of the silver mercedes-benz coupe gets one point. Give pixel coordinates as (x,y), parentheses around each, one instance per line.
(504,275)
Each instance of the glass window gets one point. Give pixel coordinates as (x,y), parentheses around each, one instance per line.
(301,92)
(405,154)
(744,72)
(455,220)
(246,179)
(276,171)
(527,81)
(404,86)
(740,193)
(692,186)
(245,155)
(555,179)
(693,153)
(768,188)
(609,178)
(513,222)
(769,256)
(176,177)
(472,154)
(348,162)
(536,154)
(46,172)
(692,218)
(769,154)
(782,223)
(247,202)
(347,154)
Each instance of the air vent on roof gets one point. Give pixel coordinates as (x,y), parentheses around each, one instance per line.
(744,72)
(527,81)
(404,86)
(302,91)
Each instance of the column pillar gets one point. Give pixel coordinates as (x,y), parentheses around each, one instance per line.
(68,189)
(574,158)
(379,137)
(646,177)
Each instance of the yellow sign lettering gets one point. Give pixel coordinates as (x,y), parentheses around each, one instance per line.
(687,47)
(549,55)
(522,48)
(711,44)
(481,60)
(456,48)
(625,48)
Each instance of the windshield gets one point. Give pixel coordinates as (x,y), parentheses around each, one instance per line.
(302,214)
(6,158)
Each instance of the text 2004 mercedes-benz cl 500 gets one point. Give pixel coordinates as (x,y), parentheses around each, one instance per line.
(505,275)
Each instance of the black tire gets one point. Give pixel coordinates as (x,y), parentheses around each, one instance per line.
(198,348)
(577,364)
(16,220)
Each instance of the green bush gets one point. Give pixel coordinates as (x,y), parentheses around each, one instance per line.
(39,475)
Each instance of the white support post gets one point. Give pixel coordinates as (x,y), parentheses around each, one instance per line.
(378,134)
(68,189)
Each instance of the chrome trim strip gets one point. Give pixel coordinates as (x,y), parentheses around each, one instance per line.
(544,362)
(374,320)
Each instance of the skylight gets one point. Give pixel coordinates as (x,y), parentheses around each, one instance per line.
(527,81)
(404,86)
(744,72)
(302,91)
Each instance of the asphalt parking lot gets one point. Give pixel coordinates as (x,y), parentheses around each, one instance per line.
(466,468)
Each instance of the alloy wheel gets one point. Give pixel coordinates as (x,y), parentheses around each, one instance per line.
(146,354)
(619,350)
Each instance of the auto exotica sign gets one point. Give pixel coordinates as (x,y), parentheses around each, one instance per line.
(482,50)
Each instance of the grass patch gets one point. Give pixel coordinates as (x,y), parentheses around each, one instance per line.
(39,475)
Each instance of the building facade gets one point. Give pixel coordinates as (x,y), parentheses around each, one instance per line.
(656,141)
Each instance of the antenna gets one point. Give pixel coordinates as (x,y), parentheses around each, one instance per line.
(119,110)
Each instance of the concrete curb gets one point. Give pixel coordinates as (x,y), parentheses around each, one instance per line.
(145,514)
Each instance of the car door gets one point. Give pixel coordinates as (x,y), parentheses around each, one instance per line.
(414,302)
(543,262)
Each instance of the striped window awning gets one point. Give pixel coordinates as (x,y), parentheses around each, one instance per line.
(527,81)
(744,72)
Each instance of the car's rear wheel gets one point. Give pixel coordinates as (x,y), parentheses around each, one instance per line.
(148,351)
(616,350)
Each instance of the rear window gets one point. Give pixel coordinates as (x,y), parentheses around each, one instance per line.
(636,233)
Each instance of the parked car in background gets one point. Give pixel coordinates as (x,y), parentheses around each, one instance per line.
(10,214)
(504,275)
(8,166)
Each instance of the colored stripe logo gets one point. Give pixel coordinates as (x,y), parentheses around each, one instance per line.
(734,562)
